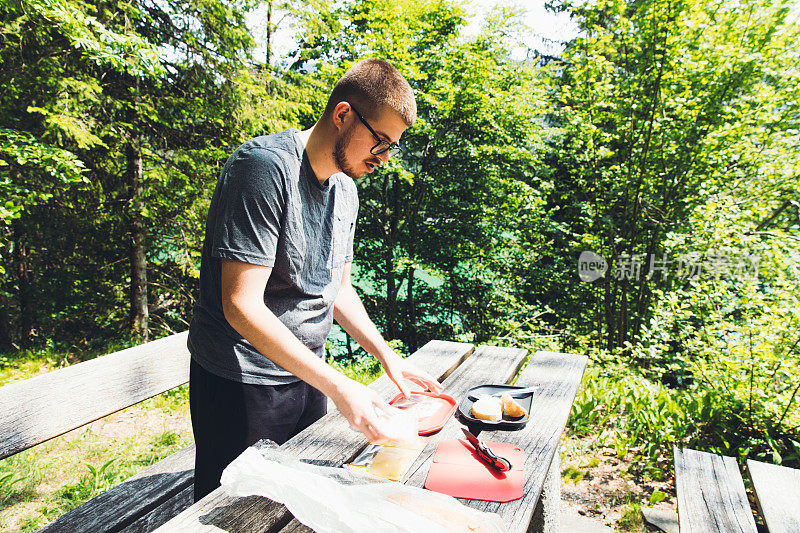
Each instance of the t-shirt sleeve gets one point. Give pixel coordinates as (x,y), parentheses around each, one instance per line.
(251,206)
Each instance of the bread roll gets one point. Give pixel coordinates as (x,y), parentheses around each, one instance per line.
(511,407)
(488,409)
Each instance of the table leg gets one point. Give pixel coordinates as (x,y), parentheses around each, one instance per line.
(546,515)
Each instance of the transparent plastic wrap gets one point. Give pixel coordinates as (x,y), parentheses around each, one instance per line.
(336,500)
(397,425)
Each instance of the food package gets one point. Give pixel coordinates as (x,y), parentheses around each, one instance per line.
(388,461)
(337,500)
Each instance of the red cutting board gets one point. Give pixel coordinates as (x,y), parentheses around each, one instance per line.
(456,470)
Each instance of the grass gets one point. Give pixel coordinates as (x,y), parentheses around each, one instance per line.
(54,477)
(631,519)
(364,371)
(44,482)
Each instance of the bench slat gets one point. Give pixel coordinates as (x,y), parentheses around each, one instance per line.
(490,364)
(157,488)
(163,512)
(329,441)
(711,494)
(777,491)
(558,378)
(46,406)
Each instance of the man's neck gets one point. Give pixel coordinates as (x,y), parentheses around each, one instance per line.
(320,154)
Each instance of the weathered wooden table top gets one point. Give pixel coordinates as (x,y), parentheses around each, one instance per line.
(331,441)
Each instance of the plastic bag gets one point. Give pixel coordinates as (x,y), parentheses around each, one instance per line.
(399,426)
(336,500)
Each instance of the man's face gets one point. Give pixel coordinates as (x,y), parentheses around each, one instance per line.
(352,148)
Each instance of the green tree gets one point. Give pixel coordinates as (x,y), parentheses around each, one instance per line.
(660,103)
(115,122)
(440,228)
(49,53)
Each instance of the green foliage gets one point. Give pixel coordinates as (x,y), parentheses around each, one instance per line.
(661,106)
(7,482)
(631,519)
(456,206)
(643,420)
(364,371)
(657,496)
(98,480)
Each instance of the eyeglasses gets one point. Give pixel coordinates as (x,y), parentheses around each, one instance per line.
(382,146)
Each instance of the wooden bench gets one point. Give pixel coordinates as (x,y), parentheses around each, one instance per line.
(711,494)
(331,442)
(777,490)
(38,409)
(35,410)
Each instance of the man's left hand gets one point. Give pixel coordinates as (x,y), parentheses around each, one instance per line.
(399,369)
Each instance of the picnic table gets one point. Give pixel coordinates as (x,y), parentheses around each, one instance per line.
(459,367)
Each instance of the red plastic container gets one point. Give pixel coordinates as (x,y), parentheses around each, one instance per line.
(432,409)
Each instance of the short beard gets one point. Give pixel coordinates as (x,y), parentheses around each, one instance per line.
(338,153)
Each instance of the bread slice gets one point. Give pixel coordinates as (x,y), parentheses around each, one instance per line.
(511,407)
(489,408)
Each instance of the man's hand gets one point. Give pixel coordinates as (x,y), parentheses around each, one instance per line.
(357,403)
(349,312)
(398,368)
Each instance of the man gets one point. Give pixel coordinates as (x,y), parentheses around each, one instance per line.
(275,272)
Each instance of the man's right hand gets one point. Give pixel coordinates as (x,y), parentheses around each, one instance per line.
(358,403)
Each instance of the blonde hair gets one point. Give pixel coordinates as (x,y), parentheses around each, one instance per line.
(372,85)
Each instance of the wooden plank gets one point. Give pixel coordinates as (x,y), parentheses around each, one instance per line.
(156,490)
(777,491)
(329,441)
(711,494)
(558,378)
(162,513)
(46,406)
(489,364)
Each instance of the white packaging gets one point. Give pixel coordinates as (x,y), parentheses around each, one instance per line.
(335,500)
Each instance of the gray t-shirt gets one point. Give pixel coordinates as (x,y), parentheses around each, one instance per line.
(269,209)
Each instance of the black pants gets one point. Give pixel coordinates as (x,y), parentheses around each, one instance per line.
(227,417)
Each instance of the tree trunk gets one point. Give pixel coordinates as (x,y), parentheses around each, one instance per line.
(23,273)
(6,341)
(412,312)
(390,240)
(269,33)
(391,293)
(139,314)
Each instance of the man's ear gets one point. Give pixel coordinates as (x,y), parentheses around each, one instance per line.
(340,113)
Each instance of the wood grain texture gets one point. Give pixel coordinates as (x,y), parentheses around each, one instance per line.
(161,514)
(328,441)
(547,513)
(711,494)
(777,491)
(46,406)
(558,377)
(154,491)
(489,364)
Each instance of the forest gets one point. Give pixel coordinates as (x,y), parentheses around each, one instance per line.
(633,196)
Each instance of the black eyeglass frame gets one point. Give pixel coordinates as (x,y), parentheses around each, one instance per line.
(382,146)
